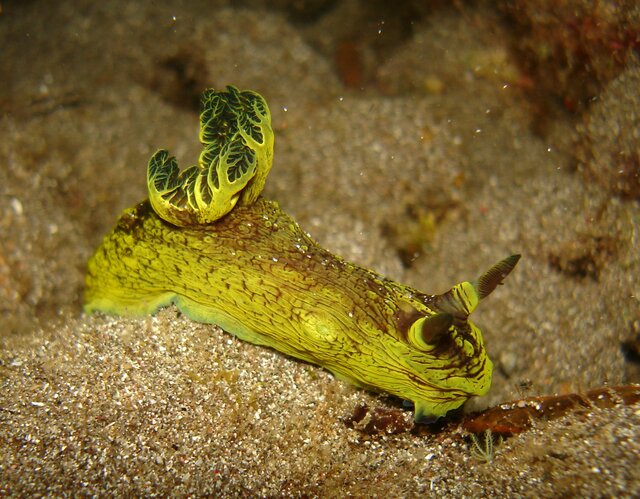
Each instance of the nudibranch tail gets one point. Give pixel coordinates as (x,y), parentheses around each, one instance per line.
(235,130)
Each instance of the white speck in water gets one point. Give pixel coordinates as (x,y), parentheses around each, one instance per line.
(274,259)
(285,108)
(16,204)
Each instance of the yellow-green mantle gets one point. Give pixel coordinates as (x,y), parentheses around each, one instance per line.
(258,275)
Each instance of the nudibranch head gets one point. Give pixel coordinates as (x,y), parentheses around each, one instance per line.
(446,351)
(237,139)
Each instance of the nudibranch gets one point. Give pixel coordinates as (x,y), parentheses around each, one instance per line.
(207,242)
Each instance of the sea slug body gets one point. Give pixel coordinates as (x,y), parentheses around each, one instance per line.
(208,243)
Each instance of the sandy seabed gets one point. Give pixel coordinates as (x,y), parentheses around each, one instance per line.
(101,405)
